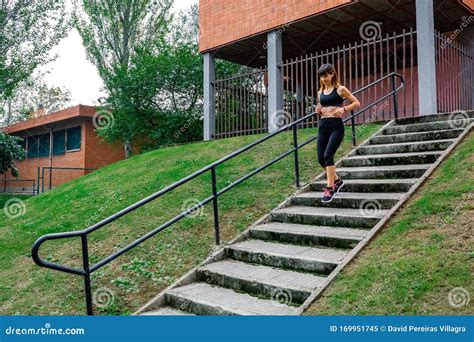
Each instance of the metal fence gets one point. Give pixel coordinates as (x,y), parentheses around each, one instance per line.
(241,101)
(50,176)
(241,104)
(454,75)
(18,186)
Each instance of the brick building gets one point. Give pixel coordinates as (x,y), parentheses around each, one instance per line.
(428,42)
(63,139)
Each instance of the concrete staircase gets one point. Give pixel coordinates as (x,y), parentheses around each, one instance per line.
(285,260)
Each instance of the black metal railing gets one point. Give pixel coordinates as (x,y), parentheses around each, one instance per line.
(18,180)
(41,176)
(87,269)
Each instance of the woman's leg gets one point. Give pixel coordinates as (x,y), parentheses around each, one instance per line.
(322,143)
(334,142)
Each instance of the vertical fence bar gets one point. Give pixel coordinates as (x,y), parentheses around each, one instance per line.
(404,68)
(50,178)
(38,182)
(412,92)
(215,206)
(42,179)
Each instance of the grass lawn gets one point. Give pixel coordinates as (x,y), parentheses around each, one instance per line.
(139,275)
(421,258)
(5,197)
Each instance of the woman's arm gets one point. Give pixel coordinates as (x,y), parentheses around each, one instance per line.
(348,95)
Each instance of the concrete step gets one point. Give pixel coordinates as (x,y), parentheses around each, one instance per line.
(416,136)
(303,234)
(206,299)
(435,117)
(383,172)
(370,185)
(343,217)
(166,311)
(346,199)
(392,159)
(303,258)
(428,126)
(415,146)
(260,280)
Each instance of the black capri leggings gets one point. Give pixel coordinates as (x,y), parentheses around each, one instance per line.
(330,135)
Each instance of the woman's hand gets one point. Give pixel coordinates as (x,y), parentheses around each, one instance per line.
(318,109)
(339,112)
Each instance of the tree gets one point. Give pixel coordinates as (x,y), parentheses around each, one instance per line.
(29,30)
(29,95)
(10,151)
(112,31)
(159,96)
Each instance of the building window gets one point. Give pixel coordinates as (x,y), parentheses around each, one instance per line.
(59,142)
(44,145)
(73,138)
(32,147)
(22,143)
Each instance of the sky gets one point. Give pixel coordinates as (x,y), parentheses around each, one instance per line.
(75,72)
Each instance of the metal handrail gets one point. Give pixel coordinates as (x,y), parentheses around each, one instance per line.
(83,234)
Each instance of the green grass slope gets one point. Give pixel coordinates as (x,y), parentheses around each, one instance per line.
(137,276)
(422,261)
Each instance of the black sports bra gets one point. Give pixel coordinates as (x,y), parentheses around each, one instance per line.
(333,99)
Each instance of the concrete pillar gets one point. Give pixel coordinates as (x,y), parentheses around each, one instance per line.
(275,81)
(425,43)
(209,96)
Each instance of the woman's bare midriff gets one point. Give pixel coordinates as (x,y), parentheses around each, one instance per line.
(328,112)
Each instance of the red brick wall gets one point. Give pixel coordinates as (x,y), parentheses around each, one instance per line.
(92,154)
(98,152)
(28,167)
(222,22)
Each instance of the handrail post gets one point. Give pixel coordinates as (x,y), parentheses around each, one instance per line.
(395,104)
(87,277)
(215,206)
(296,159)
(353,128)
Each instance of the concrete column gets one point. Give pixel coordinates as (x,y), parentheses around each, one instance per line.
(425,43)
(209,96)
(275,81)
